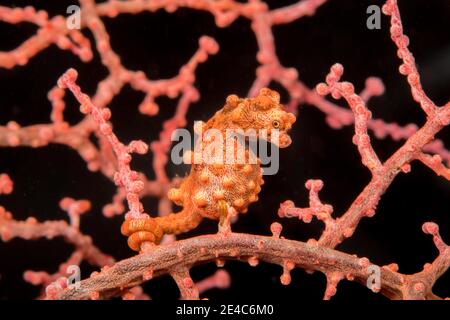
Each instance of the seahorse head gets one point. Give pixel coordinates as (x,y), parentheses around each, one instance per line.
(263,113)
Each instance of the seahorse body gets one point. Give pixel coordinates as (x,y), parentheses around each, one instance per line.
(214,186)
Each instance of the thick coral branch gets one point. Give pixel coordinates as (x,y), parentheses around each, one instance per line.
(184,254)
(188,289)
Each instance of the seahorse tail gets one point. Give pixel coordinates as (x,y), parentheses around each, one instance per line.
(179,222)
(141,230)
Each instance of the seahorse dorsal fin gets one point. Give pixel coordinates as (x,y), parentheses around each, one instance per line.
(232,102)
(275,96)
(263,102)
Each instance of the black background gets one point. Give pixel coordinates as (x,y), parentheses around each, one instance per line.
(159,44)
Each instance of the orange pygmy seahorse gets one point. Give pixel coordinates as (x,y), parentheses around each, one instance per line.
(214,187)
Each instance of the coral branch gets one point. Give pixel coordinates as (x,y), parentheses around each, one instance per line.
(125,176)
(382,175)
(295,11)
(50,31)
(6,184)
(188,288)
(420,284)
(435,164)
(408,68)
(32,229)
(360,111)
(182,254)
(316,207)
(220,280)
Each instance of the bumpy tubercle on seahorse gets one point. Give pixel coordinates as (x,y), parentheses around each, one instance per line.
(214,186)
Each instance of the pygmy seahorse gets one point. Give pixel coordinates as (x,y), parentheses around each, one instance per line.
(213,187)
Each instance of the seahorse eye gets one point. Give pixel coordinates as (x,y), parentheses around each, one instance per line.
(276,124)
